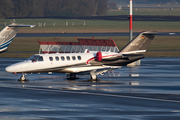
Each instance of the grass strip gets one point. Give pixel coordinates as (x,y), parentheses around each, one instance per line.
(160,47)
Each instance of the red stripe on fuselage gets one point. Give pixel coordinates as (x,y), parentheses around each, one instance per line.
(87,62)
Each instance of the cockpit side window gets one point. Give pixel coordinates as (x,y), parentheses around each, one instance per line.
(35,58)
(40,58)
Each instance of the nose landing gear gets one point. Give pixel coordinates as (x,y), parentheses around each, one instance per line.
(23,78)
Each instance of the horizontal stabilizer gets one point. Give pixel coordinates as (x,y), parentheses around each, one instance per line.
(132,56)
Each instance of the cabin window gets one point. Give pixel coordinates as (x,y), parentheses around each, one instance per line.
(62,58)
(73,57)
(57,58)
(79,57)
(68,58)
(50,58)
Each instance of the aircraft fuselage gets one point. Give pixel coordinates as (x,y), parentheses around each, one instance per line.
(60,62)
(70,62)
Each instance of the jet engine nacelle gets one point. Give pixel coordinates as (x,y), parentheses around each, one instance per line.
(99,56)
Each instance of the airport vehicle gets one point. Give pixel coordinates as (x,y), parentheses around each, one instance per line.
(8,33)
(91,62)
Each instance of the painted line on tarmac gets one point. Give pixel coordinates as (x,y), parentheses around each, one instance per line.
(96,94)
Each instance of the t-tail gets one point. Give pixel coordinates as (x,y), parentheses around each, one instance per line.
(132,52)
(139,44)
(8,33)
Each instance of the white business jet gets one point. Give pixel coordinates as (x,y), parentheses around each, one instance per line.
(8,33)
(92,62)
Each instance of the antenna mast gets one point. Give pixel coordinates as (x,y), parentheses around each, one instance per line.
(130,22)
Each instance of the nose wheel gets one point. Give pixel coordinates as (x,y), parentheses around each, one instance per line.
(23,78)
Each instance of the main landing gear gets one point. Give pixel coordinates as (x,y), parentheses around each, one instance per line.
(23,78)
(71,76)
(93,76)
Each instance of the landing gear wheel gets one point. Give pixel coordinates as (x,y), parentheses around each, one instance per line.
(71,76)
(23,78)
(93,76)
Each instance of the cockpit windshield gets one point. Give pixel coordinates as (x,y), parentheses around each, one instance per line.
(35,58)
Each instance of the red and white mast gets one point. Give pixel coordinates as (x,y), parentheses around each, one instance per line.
(130,21)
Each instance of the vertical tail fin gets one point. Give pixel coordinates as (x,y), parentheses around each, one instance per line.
(8,33)
(140,43)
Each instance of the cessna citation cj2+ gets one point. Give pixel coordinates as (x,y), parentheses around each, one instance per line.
(92,62)
(8,33)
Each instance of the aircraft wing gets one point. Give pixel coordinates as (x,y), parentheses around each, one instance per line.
(98,71)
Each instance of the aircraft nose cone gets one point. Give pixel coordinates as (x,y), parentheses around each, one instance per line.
(9,69)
